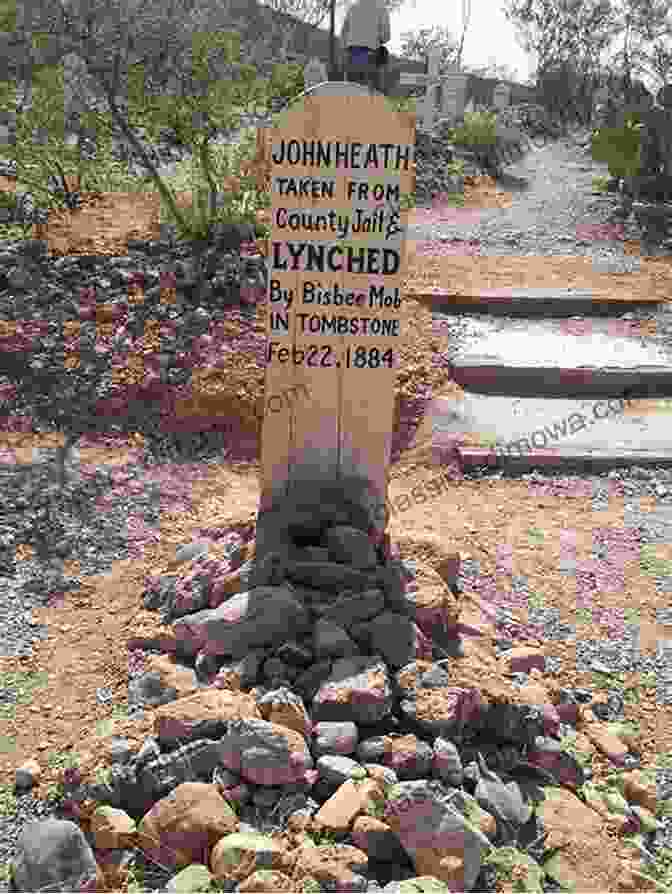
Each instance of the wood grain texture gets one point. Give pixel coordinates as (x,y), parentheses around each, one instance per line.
(328,416)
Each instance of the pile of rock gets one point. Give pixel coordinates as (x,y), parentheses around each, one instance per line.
(321,677)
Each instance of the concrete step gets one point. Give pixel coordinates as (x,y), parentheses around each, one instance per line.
(539,302)
(572,359)
(653,209)
(517,434)
(487,375)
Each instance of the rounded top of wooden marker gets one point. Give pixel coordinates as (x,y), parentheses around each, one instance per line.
(336,88)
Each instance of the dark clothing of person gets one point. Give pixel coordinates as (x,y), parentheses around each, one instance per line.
(361,67)
(366,29)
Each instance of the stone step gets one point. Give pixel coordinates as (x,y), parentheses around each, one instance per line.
(653,209)
(532,302)
(488,375)
(518,434)
(572,359)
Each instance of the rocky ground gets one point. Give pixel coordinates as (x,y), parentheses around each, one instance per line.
(132,507)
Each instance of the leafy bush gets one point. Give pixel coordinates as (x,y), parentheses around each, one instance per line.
(197,119)
(455,168)
(479,130)
(238,198)
(403,103)
(39,148)
(8,200)
(286,82)
(619,147)
(492,143)
(600,184)
(223,183)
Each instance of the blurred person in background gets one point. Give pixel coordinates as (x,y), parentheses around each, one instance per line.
(365,32)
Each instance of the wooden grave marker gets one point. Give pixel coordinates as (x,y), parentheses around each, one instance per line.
(341,159)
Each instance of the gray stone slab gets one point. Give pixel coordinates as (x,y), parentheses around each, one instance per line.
(543,302)
(487,377)
(484,375)
(566,459)
(522,433)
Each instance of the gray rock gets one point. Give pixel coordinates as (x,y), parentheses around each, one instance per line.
(335,738)
(261,754)
(274,669)
(206,668)
(261,617)
(269,571)
(119,750)
(336,769)
(296,654)
(358,689)
(394,637)
(53,855)
(149,751)
(415,764)
(330,576)
(447,764)
(429,818)
(372,750)
(517,723)
(435,678)
(504,800)
(308,683)
(382,846)
(226,778)
(312,554)
(351,547)
(331,641)
(248,667)
(348,610)
(149,689)
(393,579)
(266,797)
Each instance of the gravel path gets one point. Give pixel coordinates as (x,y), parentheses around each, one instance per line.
(552,200)
(553,213)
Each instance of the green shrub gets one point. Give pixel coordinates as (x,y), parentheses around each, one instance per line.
(286,82)
(403,103)
(44,75)
(209,165)
(39,149)
(455,168)
(619,147)
(227,161)
(8,200)
(479,130)
(600,184)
